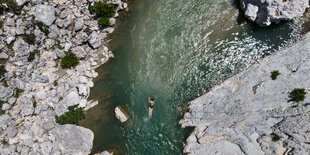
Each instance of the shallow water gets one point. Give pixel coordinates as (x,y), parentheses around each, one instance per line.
(173,51)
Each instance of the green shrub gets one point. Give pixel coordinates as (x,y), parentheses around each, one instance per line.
(29,38)
(43,28)
(103,10)
(275,74)
(74,115)
(9,6)
(104,21)
(275,137)
(4,142)
(17,92)
(2,70)
(32,56)
(70,60)
(298,94)
(1,24)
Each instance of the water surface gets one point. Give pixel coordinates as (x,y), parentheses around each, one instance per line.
(173,51)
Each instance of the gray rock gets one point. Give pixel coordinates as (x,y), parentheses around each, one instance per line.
(10,22)
(72,99)
(79,24)
(45,14)
(41,95)
(265,12)
(10,39)
(5,92)
(35,2)
(12,100)
(21,48)
(83,90)
(46,148)
(112,21)
(79,52)
(120,115)
(48,125)
(4,120)
(21,2)
(20,31)
(53,32)
(68,46)
(60,23)
(5,106)
(242,114)
(63,14)
(3,55)
(104,153)
(11,132)
(42,79)
(19,22)
(81,38)
(26,107)
(74,139)
(94,40)
(60,53)
(251,12)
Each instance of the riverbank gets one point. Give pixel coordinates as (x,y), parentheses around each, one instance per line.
(35,88)
(252,114)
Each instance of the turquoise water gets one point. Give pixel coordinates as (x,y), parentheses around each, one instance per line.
(173,51)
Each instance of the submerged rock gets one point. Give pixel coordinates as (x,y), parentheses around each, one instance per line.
(265,12)
(120,115)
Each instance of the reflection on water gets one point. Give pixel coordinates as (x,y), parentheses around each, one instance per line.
(173,51)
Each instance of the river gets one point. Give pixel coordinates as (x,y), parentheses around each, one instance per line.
(173,51)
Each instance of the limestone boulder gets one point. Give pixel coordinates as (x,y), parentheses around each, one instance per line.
(74,139)
(45,14)
(120,115)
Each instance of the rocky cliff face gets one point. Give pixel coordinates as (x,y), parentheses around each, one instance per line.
(252,114)
(265,12)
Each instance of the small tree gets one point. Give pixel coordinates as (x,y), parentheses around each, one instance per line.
(29,38)
(104,21)
(2,70)
(74,115)
(103,10)
(275,74)
(298,94)
(70,60)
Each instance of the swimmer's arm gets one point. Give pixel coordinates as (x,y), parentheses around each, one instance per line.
(149,99)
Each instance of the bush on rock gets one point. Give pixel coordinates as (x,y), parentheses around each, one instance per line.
(29,38)
(70,60)
(298,94)
(9,6)
(275,74)
(2,70)
(74,115)
(103,10)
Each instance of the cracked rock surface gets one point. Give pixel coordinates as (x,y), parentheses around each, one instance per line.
(252,114)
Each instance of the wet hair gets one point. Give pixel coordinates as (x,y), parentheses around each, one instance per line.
(152,99)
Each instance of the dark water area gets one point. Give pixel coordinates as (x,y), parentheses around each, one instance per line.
(173,51)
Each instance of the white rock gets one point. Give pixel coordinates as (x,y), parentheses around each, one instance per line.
(82,103)
(45,14)
(10,39)
(41,95)
(83,90)
(251,12)
(120,115)
(72,99)
(5,106)
(74,139)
